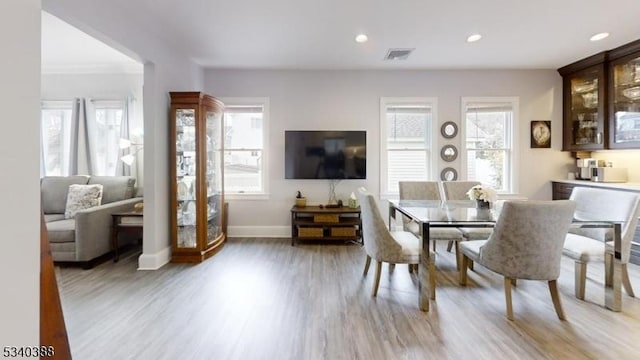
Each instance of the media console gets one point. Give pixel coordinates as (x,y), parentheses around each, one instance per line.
(322,223)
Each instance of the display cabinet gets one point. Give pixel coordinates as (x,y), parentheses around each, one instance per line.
(196,169)
(584,89)
(624,97)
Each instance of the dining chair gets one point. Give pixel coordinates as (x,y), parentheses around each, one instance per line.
(526,243)
(588,245)
(382,245)
(428,190)
(457,190)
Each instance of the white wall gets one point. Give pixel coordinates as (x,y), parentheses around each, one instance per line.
(350,100)
(165,70)
(19,147)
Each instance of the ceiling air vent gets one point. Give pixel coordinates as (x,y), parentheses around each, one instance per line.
(398,54)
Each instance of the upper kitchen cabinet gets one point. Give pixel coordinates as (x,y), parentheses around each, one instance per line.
(601,99)
(584,97)
(624,97)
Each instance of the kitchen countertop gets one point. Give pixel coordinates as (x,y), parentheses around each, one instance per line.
(633,186)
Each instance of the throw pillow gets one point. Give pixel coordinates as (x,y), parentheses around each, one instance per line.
(82,197)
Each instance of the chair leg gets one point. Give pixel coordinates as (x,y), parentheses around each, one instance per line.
(457,249)
(366,265)
(608,270)
(555,297)
(507,295)
(580,278)
(463,270)
(449,245)
(376,279)
(625,281)
(514,282)
(410,267)
(470,264)
(392,267)
(434,245)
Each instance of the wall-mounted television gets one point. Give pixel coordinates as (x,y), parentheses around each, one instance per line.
(325,154)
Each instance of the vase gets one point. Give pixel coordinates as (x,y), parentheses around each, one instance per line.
(481,204)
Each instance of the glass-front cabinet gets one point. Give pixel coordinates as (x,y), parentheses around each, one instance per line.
(624,102)
(197,196)
(584,106)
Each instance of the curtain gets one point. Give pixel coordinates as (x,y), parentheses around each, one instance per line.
(121,167)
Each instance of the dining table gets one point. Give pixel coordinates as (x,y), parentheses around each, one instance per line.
(466,214)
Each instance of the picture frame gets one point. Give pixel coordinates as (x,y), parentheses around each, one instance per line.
(540,134)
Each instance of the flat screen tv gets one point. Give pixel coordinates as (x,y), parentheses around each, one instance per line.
(325,154)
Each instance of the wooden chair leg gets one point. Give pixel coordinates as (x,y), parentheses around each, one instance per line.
(449,245)
(608,270)
(457,249)
(625,281)
(470,264)
(514,282)
(410,267)
(366,265)
(434,245)
(463,270)
(507,295)
(580,278)
(376,279)
(555,297)
(392,267)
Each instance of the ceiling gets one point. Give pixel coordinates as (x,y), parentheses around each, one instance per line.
(319,34)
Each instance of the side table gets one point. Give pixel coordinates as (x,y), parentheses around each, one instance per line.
(131,222)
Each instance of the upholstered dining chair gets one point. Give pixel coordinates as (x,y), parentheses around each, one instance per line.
(457,190)
(588,245)
(428,190)
(382,245)
(525,244)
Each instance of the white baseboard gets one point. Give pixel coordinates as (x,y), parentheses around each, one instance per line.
(154,261)
(259,231)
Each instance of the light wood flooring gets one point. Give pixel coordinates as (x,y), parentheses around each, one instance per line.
(264,299)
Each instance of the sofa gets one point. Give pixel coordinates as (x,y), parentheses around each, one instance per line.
(87,235)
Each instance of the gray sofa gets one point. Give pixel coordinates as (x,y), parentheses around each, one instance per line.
(88,235)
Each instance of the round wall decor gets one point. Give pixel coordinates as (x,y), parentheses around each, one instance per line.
(449,174)
(449,153)
(449,130)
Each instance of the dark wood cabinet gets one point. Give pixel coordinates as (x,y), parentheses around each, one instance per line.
(601,101)
(584,89)
(624,97)
(196,169)
(316,223)
(562,191)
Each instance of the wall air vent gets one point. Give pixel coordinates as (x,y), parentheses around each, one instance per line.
(398,54)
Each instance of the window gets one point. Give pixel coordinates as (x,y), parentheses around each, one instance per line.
(55,133)
(406,128)
(489,128)
(106,136)
(245,157)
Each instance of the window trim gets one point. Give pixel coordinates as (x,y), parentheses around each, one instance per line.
(264,102)
(432,102)
(511,140)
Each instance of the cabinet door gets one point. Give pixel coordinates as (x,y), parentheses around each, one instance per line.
(214,176)
(584,125)
(624,102)
(186,163)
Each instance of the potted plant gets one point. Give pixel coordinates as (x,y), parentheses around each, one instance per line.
(301,201)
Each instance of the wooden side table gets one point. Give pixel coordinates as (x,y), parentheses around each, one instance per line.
(131,222)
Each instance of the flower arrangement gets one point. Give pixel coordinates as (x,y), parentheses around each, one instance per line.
(482,192)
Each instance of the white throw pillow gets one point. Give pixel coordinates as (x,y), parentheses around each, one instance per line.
(82,197)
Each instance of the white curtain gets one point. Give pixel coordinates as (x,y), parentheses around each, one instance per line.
(127,113)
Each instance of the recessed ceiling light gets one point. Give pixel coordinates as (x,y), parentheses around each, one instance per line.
(599,36)
(474,38)
(361,38)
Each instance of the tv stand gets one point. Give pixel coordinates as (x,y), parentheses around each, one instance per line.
(339,223)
